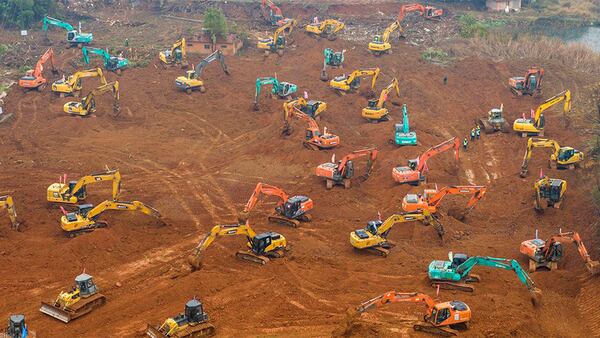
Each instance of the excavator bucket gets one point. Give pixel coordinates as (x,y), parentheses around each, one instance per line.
(536,296)
(195,262)
(593,267)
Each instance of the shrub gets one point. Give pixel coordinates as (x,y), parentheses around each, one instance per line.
(215,22)
(24,13)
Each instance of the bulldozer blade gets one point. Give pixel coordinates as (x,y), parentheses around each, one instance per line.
(434,330)
(55,312)
(593,267)
(536,296)
(152,332)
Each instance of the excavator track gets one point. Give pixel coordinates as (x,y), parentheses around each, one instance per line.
(434,330)
(446,285)
(250,257)
(82,307)
(283,220)
(97,225)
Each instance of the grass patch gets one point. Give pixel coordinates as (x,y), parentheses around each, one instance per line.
(434,55)
(470,26)
(3,49)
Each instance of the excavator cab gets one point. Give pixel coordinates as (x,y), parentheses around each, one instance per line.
(293,207)
(372,226)
(447,313)
(458,259)
(81,194)
(71,35)
(262,241)
(16,326)
(311,108)
(412,164)
(565,153)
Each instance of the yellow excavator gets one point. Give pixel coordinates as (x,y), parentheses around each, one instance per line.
(376,110)
(552,190)
(87,105)
(311,108)
(176,55)
(327,28)
(261,247)
(348,83)
(192,323)
(277,42)
(381,43)
(81,300)
(75,191)
(534,126)
(374,236)
(72,84)
(85,218)
(561,158)
(192,81)
(6,202)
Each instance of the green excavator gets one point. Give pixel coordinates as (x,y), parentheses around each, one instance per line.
(331,59)
(112,63)
(282,89)
(403,136)
(74,36)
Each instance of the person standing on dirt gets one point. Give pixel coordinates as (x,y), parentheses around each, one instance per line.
(465,143)
(477,132)
(472,134)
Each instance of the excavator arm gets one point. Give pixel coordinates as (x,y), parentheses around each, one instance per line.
(402,218)
(122,206)
(8,203)
(217,231)
(477,193)
(549,103)
(286,28)
(393,86)
(591,265)
(389,30)
(268,190)
(109,175)
(216,55)
(397,297)
(371,152)
(535,142)
(452,143)
(94,72)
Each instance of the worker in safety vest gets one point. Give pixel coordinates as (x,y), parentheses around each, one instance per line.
(465,143)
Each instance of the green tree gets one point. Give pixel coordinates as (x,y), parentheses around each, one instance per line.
(215,22)
(24,13)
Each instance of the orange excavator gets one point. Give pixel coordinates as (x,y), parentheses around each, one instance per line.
(548,253)
(413,173)
(314,139)
(529,84)
(272,14)
(342,172)
(454,314)
(34,78)
(289,210)
(431,198)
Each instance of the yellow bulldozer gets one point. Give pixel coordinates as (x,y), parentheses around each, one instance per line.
(192,323)
(81,300)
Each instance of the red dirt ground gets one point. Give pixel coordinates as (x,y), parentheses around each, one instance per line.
(197,158)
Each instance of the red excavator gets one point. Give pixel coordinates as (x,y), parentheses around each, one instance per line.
(454,314)
(34,78)
(314,139)
(431,198)
(547,253)
(272,14)
(413,173)
(529,84)
(289,210)
(342,172)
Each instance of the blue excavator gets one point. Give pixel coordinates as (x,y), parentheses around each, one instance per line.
(331,59)
(74,36)
(282,89)
(113,63)
(403,136)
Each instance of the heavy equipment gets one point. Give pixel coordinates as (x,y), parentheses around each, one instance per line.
(331,59)
(327,28)
(72,84)
(82,299)
(87,105)
(454,314)
(85,218)
(176,55)
(561,158)
(376,110)
(341,173)
(454,274)
(7,202)
(314,139)
(349,83)
(74,37)
(312,108)
(431,198)
(192,81)
(111,63)
(413,173)
(34,78)
(495,121)
(192,323)
(548,253)
(552,190)
(402,135)
(374,236)
(534,126)
(261,247)
(529,84)
(289,210)
(75,191)
(16,327)
(282,89)
(277,42)
(273,14)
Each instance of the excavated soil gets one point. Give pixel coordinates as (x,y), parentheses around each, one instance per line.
(197,158)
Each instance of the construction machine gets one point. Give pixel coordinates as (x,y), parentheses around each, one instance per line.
(374,236)
(529,84)
(111,63)
(312,108)
(192,79)
(454,274)
(85,218)
(261,247)
(453,314)
(331,59)
(16,327)
(413,173)
(314,139)
(561,158)
(74,37)
(6,202)
(273,14)
(277,42)
(548,253)
(341,173)
(551,190)
(87,105)
(534,126)
(72,84)
(192,323)
(176,55)
(282,89)
(402,135)
(81,300)
(76,191)
(376,110)
(494,122)
(349,83)
(328,28)
(431,198)
(34,78)
(289,211)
